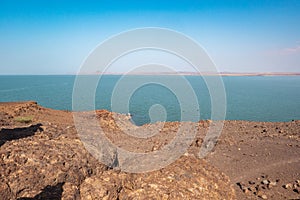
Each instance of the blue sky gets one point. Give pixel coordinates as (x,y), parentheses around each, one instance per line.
(54,37)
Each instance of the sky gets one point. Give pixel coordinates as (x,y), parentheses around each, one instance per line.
(55,37)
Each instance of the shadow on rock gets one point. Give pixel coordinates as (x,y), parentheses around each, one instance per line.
(18,133)
(48,193)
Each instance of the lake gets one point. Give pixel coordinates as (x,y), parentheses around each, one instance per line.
(255,98)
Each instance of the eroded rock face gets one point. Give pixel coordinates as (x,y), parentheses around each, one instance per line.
(5,192)
(187,178)
(30,164)
(46,159)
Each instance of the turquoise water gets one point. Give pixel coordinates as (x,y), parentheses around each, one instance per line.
(255,98)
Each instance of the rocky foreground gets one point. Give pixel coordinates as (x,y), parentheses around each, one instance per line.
(42,157)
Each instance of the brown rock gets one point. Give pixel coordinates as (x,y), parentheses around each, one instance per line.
(246,190)
(288,186)
(263,196)
(251,182)
(260,194)
(273,183)
(5,192)
(70,192)
(252,188)
(34,162)
(183,179)
(46,160)
(105,186)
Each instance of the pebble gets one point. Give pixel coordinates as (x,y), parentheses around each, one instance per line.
(259,193)
(154,148)
(264,196)
(265,182)
(295,186)
(251,182)
(271,184)
(246,191)
(252,188)
(288,186)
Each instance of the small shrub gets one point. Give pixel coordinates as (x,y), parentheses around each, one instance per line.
(26,119)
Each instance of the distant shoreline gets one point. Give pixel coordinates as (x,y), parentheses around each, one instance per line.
(205,73)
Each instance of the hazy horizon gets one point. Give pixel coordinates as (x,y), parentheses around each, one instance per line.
(163,73)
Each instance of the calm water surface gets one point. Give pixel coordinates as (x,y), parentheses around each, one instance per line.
(256,98)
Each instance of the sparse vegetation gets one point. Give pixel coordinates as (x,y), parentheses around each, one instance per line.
(24,119)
